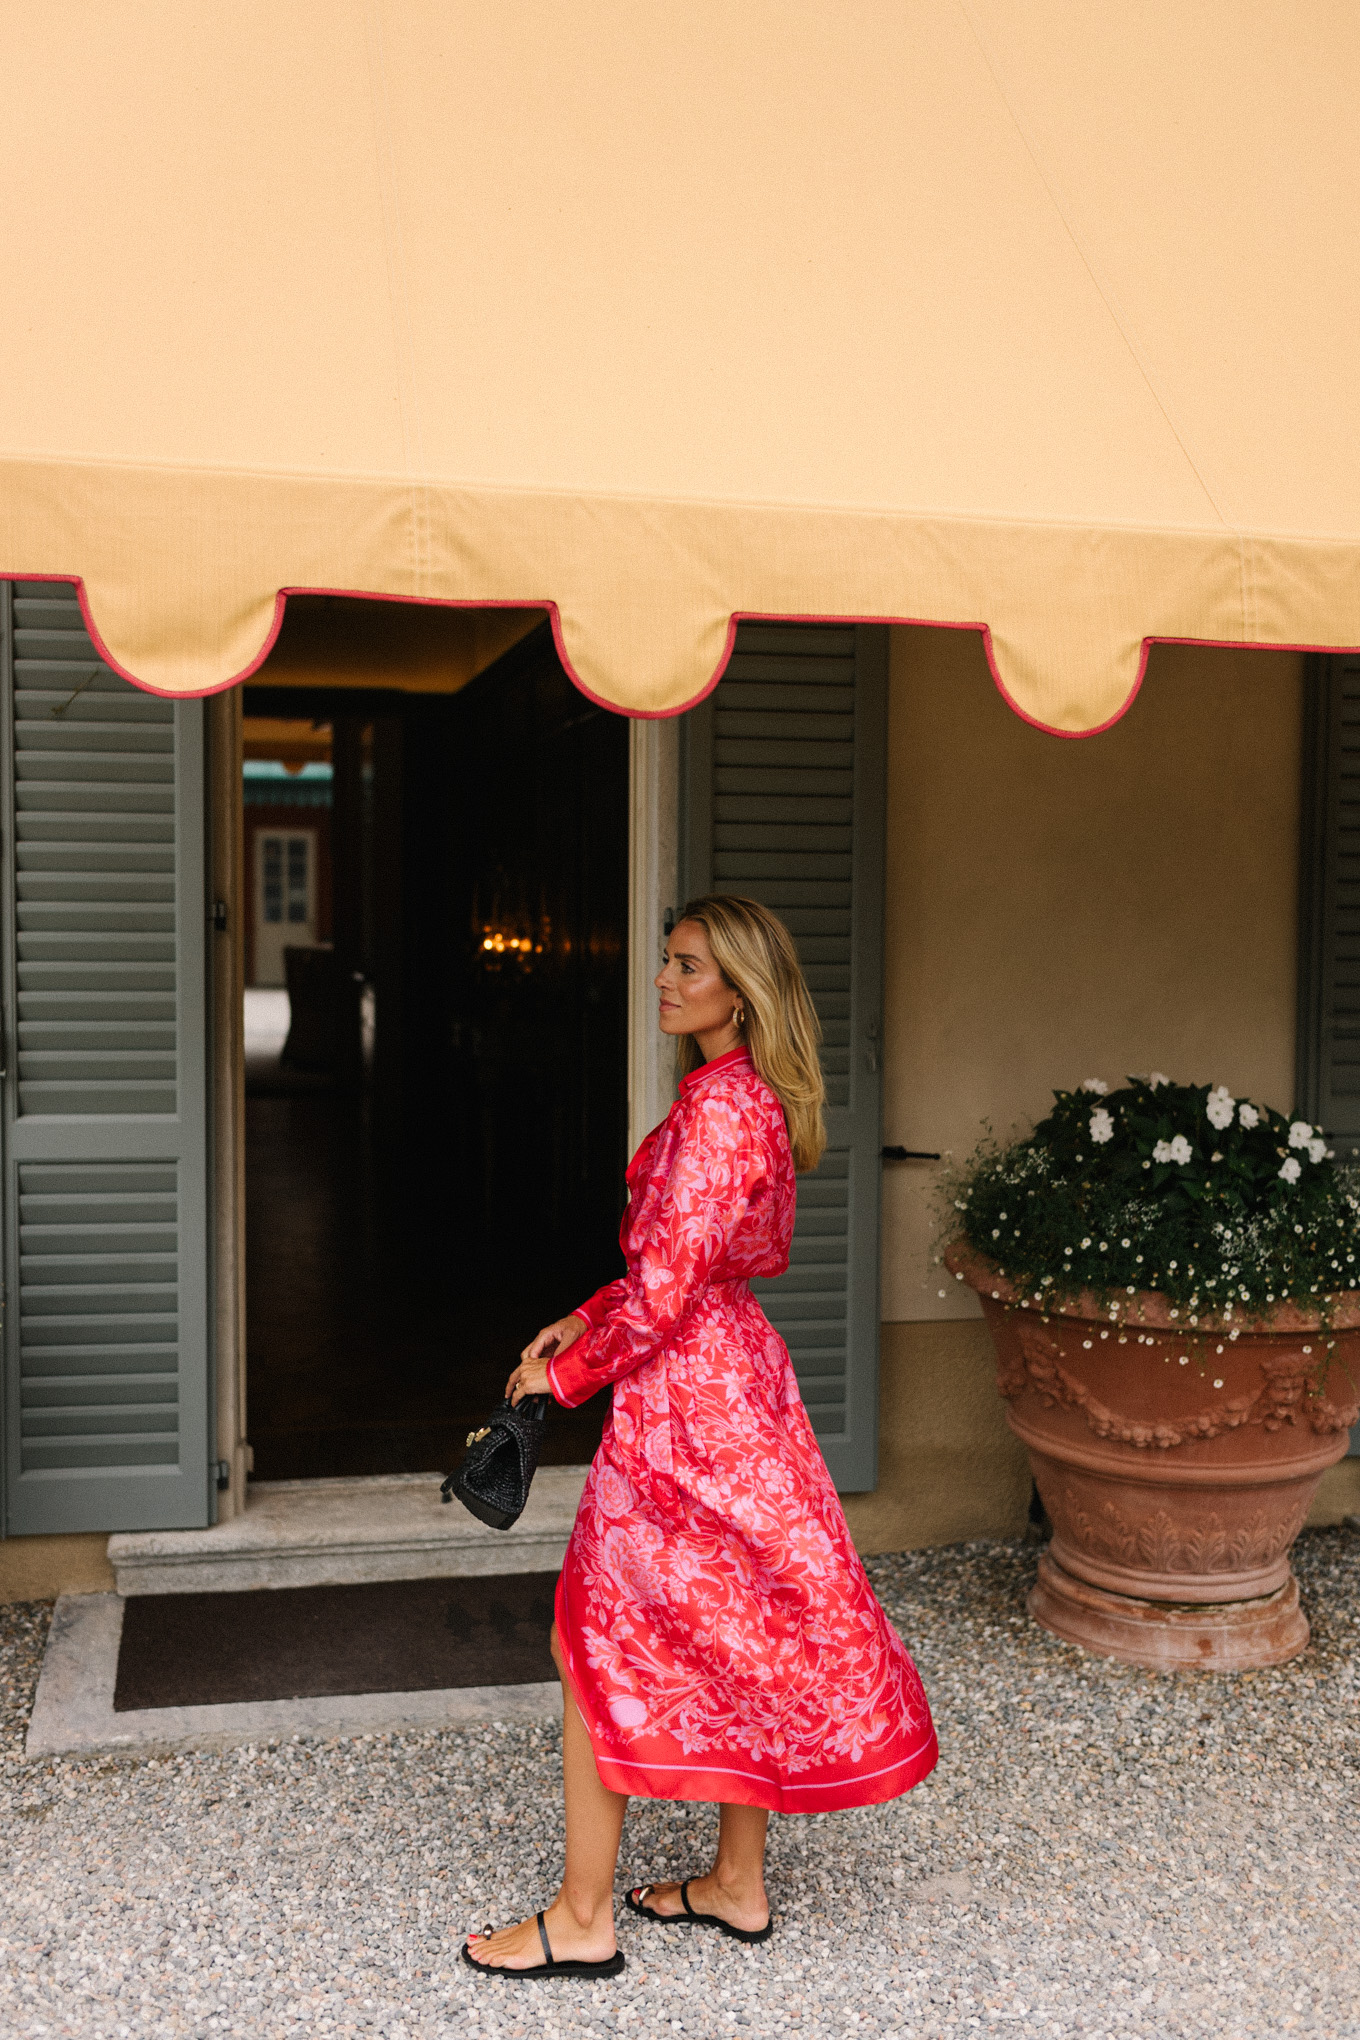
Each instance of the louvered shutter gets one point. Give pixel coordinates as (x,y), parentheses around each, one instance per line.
(1329,947)
(782,800)
(1328,1084)
(105,1124)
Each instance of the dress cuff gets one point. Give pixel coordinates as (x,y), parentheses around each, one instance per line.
(596,1308)
(571,1384)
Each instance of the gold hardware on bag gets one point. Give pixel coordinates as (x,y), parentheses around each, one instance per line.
(476,1437)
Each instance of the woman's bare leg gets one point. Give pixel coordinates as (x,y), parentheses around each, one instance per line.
(734,1888)
(580,1920)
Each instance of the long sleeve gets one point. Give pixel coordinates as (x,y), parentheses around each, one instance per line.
(718,1170)
(597,1308)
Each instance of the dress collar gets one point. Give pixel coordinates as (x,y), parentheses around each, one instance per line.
(733,1057)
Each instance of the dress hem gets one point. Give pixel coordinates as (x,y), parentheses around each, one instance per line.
(741,1788)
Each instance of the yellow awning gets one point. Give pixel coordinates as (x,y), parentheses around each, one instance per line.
(1037,315)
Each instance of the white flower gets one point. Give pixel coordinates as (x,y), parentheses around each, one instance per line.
(1099,1086)
(1220,1107)
(1177,1150)
(1300,1133)
(1157,1079)
(1102,1125)
(1290,1169)
(1317,1150)
(1248,1115)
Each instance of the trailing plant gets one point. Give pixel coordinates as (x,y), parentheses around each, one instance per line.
(1223,1206)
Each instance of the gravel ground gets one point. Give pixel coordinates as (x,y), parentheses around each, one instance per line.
(1102,1851)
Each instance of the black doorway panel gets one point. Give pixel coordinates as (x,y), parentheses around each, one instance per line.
(409,1227)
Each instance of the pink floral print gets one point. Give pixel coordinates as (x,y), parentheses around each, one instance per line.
(720,1634)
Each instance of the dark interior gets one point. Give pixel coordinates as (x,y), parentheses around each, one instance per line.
(418,1206)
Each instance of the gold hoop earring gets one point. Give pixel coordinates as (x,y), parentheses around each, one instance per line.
(739,1016)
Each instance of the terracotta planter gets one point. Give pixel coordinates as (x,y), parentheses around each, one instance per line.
(1174,1501)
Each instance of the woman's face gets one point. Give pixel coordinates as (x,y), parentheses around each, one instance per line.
(694,997)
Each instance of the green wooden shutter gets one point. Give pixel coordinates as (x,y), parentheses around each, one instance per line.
(1328,1081)
(105,1122)
(782,799)
(1329,918)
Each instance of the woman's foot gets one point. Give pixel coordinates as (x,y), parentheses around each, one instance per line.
(741,1904)
(570,1939)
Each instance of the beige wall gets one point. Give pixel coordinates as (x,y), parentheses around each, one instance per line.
(949,1466)
(1060,909)
(1338,1494)
(40,1568)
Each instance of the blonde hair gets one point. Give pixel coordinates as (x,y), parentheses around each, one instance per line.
(755,953)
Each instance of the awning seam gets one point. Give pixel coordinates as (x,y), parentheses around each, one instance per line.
(398,302)
(1103,290)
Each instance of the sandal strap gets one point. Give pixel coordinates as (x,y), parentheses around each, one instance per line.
(684,1900)
(548,1956)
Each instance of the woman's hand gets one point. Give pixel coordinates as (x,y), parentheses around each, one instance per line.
(531,1376)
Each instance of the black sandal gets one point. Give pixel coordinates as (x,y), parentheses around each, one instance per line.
(550,1966)
(690,1918)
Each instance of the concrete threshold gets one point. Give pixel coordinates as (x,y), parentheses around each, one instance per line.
(320,1533)
(73,1712)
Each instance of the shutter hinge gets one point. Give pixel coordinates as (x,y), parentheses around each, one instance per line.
(217,916)
(871,1032)
(221,1472)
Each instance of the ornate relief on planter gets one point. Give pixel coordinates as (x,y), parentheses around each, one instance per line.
(1157,1543)
(1177,1466)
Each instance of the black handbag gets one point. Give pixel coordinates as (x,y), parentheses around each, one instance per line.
(493,1480)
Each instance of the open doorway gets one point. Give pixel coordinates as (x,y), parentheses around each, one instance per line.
(436,1036)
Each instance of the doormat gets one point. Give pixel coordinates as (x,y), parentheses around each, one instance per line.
(296,1643)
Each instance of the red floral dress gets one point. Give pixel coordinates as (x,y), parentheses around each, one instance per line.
(720,1634)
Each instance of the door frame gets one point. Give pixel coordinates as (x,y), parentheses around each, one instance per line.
(653,875)
(654,796)
(228,906)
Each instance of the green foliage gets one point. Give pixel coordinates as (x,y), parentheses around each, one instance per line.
(1222,1206)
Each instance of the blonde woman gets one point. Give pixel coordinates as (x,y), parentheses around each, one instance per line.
(716,1635)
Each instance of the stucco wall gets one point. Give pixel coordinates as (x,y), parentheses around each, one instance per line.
(1060,909)
(949,1467)
(40,1568)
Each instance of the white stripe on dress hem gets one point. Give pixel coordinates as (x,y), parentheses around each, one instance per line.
(763,1777)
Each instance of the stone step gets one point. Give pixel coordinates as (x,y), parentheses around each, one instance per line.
(316,1533)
